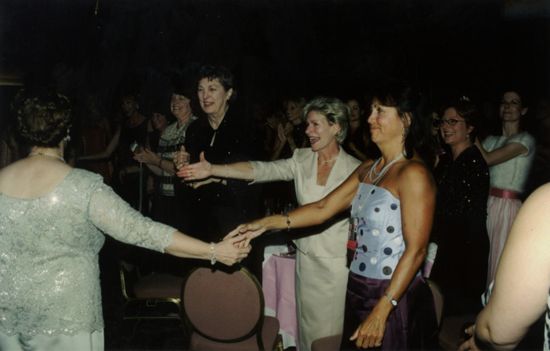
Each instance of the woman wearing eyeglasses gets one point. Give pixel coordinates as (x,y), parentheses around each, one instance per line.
(510,157)
(459,229)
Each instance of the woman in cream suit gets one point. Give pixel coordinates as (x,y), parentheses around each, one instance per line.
(321,272)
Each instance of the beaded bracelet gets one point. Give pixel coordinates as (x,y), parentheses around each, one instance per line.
(212,254)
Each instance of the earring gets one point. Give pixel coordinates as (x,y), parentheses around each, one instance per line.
(68,136)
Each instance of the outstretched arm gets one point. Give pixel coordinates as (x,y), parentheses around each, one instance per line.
(112,215)
(204,169)
(523,277)
(308,215)
(227,251)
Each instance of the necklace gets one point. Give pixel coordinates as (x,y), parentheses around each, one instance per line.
(328,161)
(375,176)
(38,153)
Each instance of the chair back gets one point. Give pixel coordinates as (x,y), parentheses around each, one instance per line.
(128,275)
(224,306)
(151,296)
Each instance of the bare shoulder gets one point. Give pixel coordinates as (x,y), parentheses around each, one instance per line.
(414,169)
(414,174)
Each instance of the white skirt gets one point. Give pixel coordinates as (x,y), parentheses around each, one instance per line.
(320,297)
(82,342)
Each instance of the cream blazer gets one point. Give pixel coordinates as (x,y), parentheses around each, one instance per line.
(302,168)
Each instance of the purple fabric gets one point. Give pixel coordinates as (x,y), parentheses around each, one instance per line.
(363,294)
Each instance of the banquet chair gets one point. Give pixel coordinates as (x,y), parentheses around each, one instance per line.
(151,296)
(224,310)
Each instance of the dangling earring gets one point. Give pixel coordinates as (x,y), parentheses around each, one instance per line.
(67,138)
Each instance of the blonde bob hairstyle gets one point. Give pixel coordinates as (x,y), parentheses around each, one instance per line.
(335,111)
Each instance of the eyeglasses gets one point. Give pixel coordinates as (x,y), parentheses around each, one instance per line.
(450,122)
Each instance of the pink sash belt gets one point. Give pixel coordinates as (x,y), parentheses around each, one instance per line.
(504,193)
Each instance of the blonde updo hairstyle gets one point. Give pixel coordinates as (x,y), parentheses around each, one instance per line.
(43,118)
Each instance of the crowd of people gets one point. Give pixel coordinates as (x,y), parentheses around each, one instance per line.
(390,172)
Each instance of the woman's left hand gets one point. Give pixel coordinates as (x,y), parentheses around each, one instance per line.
(370,333)
(231,249)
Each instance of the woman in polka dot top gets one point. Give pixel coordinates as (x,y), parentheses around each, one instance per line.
(392,203)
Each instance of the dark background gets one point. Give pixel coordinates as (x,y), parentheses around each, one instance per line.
(278,47)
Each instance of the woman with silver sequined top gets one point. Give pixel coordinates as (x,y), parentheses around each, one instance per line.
(52,220)
(392,227)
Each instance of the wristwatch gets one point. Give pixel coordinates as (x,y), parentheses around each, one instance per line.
(391,299)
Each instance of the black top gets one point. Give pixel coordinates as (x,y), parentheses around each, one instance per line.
(460,229)
(225,205)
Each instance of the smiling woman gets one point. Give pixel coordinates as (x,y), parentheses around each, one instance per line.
(321,258)
(392,203)
(223,136)
(460,218)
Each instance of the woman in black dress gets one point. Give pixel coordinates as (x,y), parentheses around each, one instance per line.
(460,229)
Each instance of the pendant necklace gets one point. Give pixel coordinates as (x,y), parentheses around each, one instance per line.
(213,138)
(375,176)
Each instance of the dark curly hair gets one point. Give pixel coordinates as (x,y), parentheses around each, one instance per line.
(43,118)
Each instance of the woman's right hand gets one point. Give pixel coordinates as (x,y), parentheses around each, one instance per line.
(232,249)
(181,158)
(199,170)
(250,230)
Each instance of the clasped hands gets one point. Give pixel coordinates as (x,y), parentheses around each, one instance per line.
(235,246)
(244,233)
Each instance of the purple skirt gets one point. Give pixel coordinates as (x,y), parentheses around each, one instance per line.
(412,323)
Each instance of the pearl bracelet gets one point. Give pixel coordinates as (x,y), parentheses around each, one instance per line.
(212,254)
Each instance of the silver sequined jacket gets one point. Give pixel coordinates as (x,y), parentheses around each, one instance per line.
(49,274)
